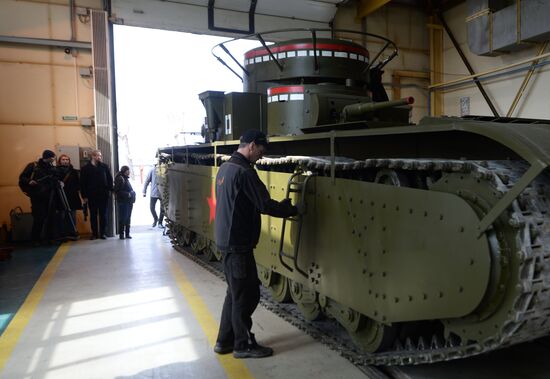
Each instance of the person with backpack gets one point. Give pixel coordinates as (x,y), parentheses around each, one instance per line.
(38,181)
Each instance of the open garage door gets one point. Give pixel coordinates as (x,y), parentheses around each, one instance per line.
(224,17)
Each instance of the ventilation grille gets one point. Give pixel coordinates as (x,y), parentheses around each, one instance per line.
(102,88)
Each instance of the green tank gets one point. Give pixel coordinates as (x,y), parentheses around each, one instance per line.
(427,242)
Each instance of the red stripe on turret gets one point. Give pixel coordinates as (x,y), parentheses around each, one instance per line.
(285,89)
(307,46)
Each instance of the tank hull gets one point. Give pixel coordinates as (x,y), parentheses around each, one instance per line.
(400,239)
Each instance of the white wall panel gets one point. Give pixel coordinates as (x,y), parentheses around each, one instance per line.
(39,85)
(501,90)
(194,18)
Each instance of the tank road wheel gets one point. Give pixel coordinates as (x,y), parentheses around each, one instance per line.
(187,236)
(198,243)
(217,253)
(279,288)
(392,178)
(208,253)
(370,335)
(275,283)
(175,233)
(306,300)
(211,252)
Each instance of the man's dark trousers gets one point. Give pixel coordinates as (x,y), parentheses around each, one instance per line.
(243,295)
(40,208)
(98,207)
(152,206)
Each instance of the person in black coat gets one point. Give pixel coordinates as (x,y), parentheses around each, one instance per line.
(38,181)
(240,199)
(96,184)
(71,186)
(125,198)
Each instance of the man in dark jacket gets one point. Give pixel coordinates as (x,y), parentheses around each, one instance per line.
(96,184)
(38,181)
(240,199)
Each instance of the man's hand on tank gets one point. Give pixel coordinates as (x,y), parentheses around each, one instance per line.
(286,202)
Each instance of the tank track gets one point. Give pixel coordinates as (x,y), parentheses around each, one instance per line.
(338,342)
(530,317)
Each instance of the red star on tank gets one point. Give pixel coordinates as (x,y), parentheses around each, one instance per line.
(212,205)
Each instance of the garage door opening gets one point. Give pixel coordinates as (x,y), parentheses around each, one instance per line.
(159,75)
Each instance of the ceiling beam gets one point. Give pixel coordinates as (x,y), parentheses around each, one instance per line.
(366,7)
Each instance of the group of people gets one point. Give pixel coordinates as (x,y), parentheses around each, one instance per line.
(58,190)
(54,194)
(241,198)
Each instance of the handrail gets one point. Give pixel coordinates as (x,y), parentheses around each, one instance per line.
(313,32)
(299,218)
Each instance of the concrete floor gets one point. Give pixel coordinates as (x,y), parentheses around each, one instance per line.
(138,309)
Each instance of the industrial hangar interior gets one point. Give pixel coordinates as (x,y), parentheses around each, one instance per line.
(407,153)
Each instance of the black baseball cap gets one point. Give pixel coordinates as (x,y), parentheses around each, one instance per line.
(255,136)
(46,154)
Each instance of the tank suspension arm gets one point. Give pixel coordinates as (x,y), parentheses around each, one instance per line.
(536,168)
(234,59)
(378,55)
(261,39)
(294,186)
(315,59)
(226,65)
(360,109)
(381,64)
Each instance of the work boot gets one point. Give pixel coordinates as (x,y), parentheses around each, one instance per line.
(128,236)
(154,223)
(253,351)
(121,236)
(221,349)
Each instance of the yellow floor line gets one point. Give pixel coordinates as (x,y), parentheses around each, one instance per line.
(234,368)
(11,335)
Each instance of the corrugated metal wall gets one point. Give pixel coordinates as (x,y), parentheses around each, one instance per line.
(40,86)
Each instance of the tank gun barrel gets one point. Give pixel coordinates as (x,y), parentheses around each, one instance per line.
(357,110)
